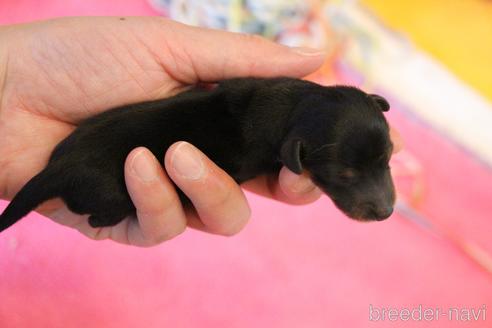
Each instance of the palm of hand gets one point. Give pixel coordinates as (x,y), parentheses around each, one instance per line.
(54,82)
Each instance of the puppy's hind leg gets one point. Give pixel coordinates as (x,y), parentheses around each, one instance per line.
(113,207)
(103,196)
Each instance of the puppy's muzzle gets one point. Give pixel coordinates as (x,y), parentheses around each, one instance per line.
(378,213)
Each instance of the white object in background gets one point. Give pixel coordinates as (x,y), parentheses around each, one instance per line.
(266,17)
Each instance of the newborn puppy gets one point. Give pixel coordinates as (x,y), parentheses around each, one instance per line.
(247,126)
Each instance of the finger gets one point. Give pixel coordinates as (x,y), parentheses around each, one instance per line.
(218,200)
(396,139)
(210,55)
(159,211)
(288,187)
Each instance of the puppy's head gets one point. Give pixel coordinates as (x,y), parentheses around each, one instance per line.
(341,138)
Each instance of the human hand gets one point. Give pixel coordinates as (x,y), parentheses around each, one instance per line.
(54,74)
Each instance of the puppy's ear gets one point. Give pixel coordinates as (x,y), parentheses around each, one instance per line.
(290,154)
(383,103)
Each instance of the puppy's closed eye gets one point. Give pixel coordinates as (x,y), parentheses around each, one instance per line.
(348,175)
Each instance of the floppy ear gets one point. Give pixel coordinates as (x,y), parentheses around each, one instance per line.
(383,103)
(290,154)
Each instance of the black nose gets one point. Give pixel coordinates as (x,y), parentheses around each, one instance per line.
(383,213)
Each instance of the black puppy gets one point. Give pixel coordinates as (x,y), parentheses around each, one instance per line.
(247,126)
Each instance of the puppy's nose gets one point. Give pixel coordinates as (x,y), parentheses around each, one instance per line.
(383,213)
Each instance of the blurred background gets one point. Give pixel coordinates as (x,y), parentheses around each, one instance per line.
(301,266)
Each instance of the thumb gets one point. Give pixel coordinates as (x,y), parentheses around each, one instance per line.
(210,55)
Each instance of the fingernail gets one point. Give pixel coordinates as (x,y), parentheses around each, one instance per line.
(144,166)
(302,185)
(305,51)
(187,162)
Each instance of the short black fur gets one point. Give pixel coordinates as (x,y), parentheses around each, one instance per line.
(247,126)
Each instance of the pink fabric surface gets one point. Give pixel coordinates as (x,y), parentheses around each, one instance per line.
(18,11)
(291,267)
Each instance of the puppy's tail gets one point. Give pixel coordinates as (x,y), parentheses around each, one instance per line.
(39,189)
